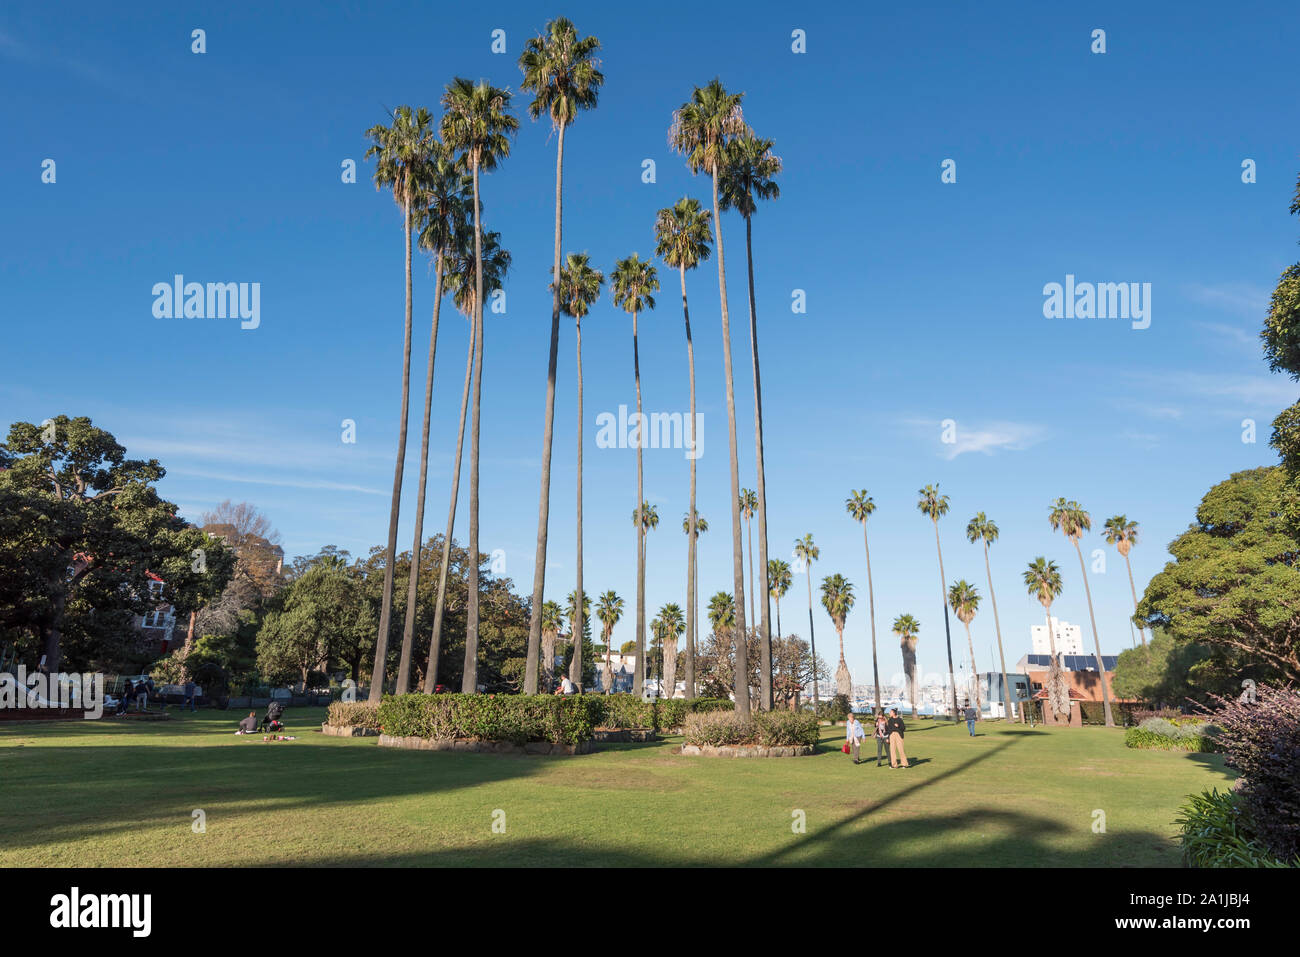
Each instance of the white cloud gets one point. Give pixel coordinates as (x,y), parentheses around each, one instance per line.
(987,439)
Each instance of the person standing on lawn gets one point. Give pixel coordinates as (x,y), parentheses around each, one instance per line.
(971,715)
(189,693)
(853,735)
(881,736)
(895,729)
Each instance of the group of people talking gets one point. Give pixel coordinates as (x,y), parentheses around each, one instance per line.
(888,732)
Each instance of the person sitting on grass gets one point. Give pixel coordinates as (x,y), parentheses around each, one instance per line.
(249,724)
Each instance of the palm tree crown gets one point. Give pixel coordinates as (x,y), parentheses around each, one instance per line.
(701,524)
(1043,581)
(609,609)
(649,515)
(964,599)
(906,627)
(806,550)
(683,234)
(579,285)
(401,151)
(478,122)
(1121,533)
(747,174)
(931,504)
(562,72)
(702,127)
(461,280)
(859,505)
(837,598)
(722,611)
(632,283)
(779,577)
(981,528)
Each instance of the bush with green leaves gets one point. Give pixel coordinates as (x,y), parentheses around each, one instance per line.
(621,711)
(558,719)
(353,714)
(1164,735)
(766,728)
(834,709)
(1218,831)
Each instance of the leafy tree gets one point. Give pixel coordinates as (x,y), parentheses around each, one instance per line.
(1232,583)
(1281,338)
(1164,671)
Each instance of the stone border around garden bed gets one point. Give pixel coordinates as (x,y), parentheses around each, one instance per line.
(746,751)
(348,731)
(481,747)
(623,735)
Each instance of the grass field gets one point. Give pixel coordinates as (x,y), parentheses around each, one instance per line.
(123,794)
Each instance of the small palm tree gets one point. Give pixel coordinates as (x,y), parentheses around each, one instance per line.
(779,580)
(609,609)
(701,129)
(1043,580)
(965,602)
(722,613)
(807,553)
(682,241)
(1073,521)
(860,506)
(562,72)
(748,506)
(671,626)
(934,507)
(574,618)
(1123,534)
(462,283)
(552,625)
(837,599)
(908,630)
(479,124)
(983,529)
(401,151)
(633,283)
(579,288)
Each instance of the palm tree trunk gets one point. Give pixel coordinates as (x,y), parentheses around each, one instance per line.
(812,642)
(609,675)
(575,664)
(1133,589)
(435,642)
(947,631)
(390,554)
(741,677)
(1101,670)
(871,605)
(548,432)
(413,580)
(469,684)
(692,611)
(765,606)
(778,618)
(1002,659)
(749,547)
(638,677)
(979,706)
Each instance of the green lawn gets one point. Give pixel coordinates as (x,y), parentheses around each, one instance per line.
(109,793)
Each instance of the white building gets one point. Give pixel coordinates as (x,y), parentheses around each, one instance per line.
(1069,638)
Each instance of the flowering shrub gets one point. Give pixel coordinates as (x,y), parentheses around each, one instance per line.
(1261,740)
(559,719)
(353,714)
(766,728)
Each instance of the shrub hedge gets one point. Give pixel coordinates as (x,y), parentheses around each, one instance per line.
(353,714)
(766,728)
(1219,831)
(621,711)
(1165,735)
(559,719)
(1126,714)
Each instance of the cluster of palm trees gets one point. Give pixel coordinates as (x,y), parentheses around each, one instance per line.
(1042,579)
(433,167)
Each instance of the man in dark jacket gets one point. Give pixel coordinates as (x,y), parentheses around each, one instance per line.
(894,728)
(190,688)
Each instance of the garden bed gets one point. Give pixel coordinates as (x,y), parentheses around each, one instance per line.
(470,746)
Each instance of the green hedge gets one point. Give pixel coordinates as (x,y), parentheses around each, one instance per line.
(1126,714)
(559,719)
(353,714)
(1217,831)
(621,711)
(766,728)
(1163,735)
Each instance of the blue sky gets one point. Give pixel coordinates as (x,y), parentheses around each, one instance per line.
(924,299)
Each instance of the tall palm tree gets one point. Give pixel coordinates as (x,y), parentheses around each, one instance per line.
(860,505)
(701,130)
(682,240)
(562,72)
(633,282)
(644,517)
(1072,521)
(609,609)
(478,122)
(722,613)
(444,199)
(552,625)
(671,625)
(692,587)
(574,616)
(908,630)
(934,506)
(462,281)
(964,600)
(807,552)
(748,506)
(401,151)
(779,581)
(1043,580)
(983,529)
(837,599)
(748,176)
(1123,534)
(579,288)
